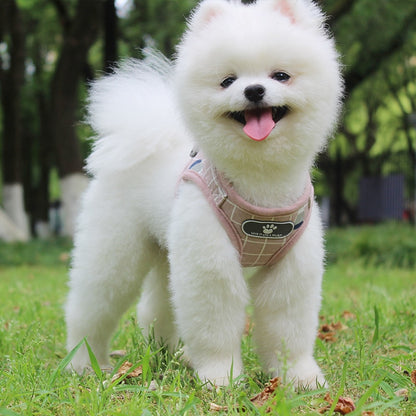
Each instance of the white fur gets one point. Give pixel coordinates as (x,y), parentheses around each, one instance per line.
(139,228)
(72,187)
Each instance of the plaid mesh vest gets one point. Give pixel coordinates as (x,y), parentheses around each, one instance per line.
(262,236)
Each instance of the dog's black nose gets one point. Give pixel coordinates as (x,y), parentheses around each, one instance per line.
(255,93)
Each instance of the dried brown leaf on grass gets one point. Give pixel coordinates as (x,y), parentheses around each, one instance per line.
(413,377)
(262,397)
(327,332)
(344,405)
(248,327)
(402,393)
(348,315)
(217,408)
(258,400)
(124,369)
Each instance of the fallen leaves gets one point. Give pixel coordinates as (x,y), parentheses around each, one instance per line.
(258,400)
(267,399)
(413,377)
(125,370)
(344,405)
(248,326)
(347,315)
(261,398)
(402,393)
(217,408)
(327,332)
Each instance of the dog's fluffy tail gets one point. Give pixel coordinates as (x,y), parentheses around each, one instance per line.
(133,113)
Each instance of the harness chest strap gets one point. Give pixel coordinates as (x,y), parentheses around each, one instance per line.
(262,236)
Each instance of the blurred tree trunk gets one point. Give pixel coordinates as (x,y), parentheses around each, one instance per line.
(79,36)
(41,152)
(12,77)
(110,35)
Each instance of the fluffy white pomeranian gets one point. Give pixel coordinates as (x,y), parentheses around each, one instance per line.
(253,94)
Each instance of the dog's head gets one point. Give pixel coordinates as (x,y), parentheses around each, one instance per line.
(260,78)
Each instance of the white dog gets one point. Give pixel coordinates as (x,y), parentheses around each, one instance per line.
(255,92)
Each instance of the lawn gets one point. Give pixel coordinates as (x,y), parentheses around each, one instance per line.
(366,344)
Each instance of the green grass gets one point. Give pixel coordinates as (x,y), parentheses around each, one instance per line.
(369,360)
(390,245)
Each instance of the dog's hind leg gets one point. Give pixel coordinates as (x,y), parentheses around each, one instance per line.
(154,309)
(110,259)
(95,305)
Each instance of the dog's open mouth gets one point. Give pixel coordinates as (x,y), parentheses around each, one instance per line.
(259,122)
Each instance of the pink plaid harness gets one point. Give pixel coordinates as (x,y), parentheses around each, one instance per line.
(262,236)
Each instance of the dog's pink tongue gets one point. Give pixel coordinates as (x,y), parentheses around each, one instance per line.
(259,123)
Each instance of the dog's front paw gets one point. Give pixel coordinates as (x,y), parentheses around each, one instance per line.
(81,364)
(306,374)
(77,368)
(87,369)
(218,373)
(213,371)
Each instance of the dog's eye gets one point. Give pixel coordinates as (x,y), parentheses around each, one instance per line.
(228,81)
(281,76)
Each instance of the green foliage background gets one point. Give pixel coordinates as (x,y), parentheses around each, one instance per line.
(376,40)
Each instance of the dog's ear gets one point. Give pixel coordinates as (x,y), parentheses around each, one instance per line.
(284,7)
(206,12)
(301,12)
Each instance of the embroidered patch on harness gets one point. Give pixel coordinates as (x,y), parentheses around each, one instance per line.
(267,229)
